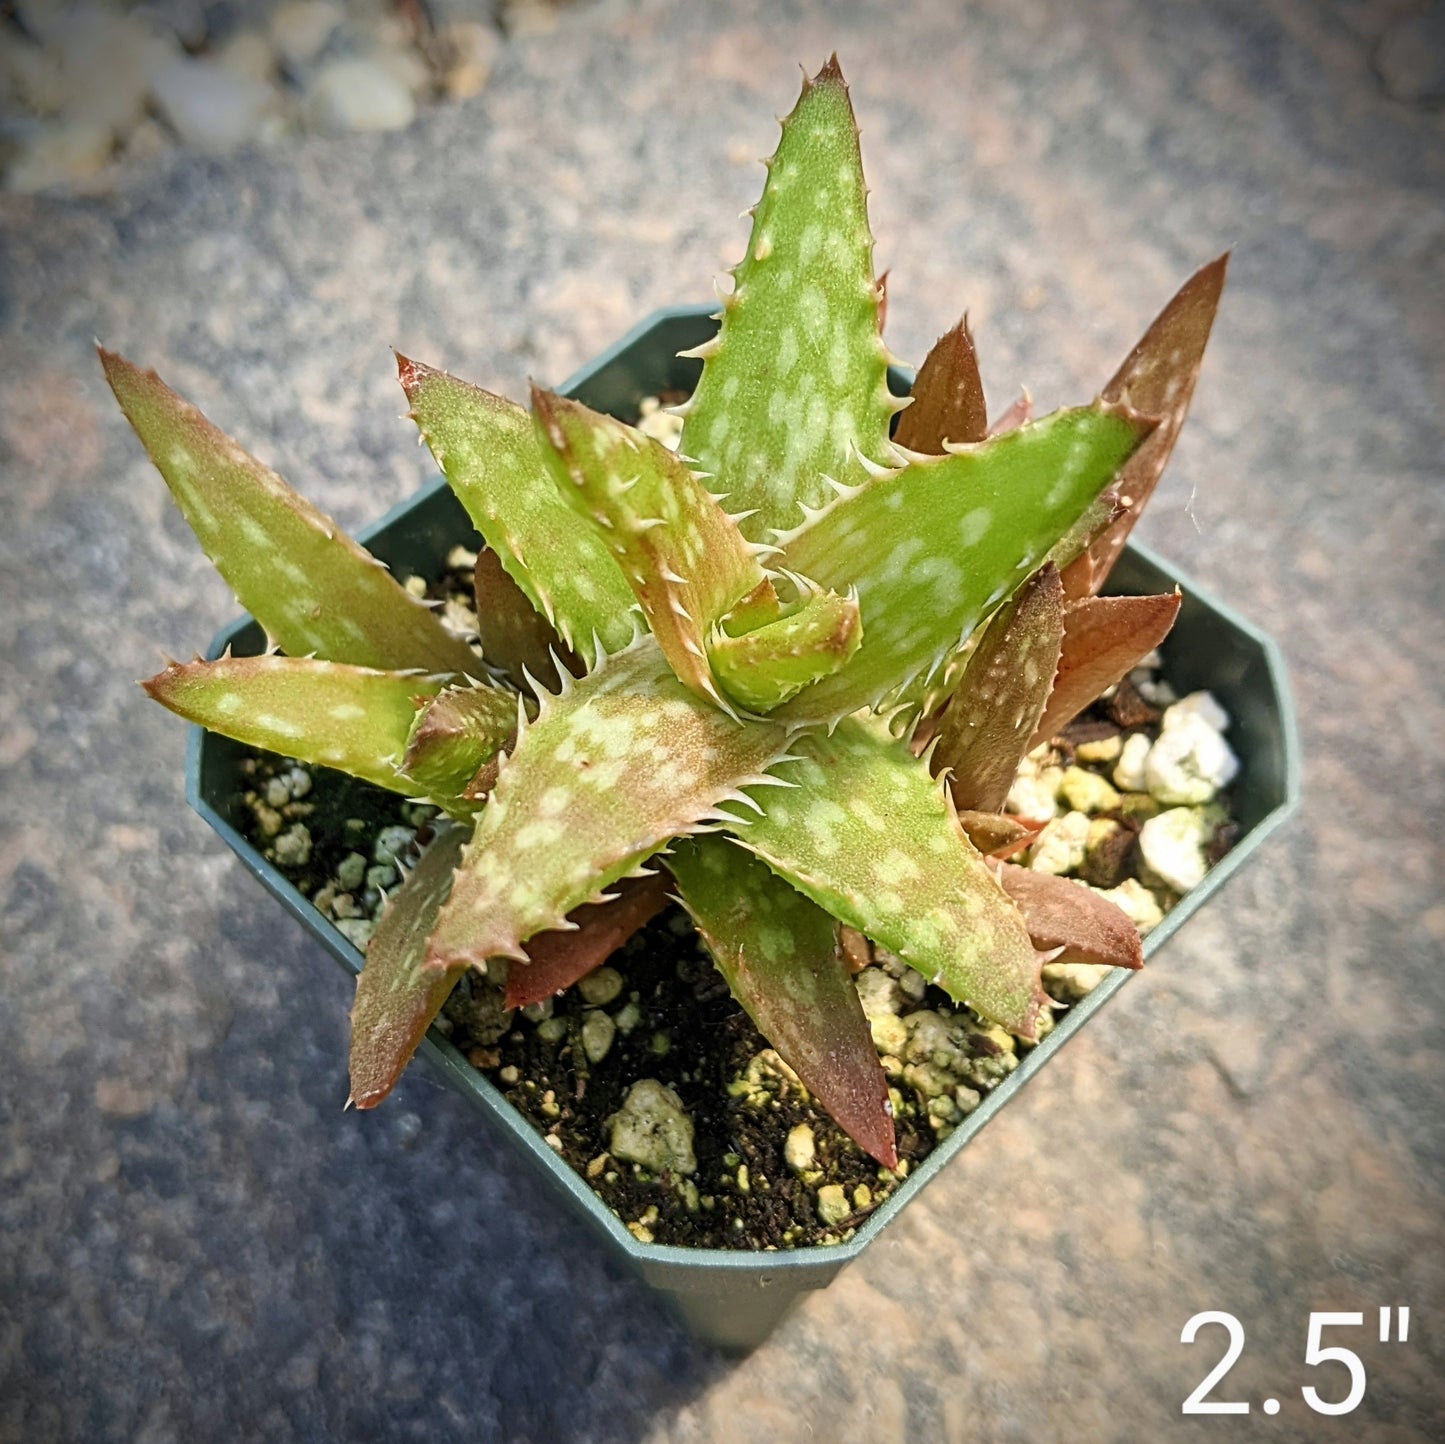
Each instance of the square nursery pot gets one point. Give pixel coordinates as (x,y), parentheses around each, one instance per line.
(734,1299)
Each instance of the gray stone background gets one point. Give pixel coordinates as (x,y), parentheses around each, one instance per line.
(196,1243)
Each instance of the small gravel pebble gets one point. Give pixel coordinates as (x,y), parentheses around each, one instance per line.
(552,1030)
(653,1129)
(293,847)
(1060,847)
(391,843)
(470,50)
(300,30)
(601,986)
(598,1031)
(1129,773)
(358,94)
(1034,793)
(60,155)
(800,1149)
(1102,749)
(356,930)
(351,871)
(249,54)
(82,83)
(1085,791)
(1190,761)
(1137,903)
(213,108)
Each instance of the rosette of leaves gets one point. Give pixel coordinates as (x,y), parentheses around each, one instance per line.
(714,674)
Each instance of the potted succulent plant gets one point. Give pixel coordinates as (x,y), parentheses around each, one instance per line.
(785,673)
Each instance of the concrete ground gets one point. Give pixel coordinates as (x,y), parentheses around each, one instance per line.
(195,1241)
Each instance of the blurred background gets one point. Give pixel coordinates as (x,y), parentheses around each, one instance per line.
(258,200)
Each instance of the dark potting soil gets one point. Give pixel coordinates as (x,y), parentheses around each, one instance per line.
(688,1034)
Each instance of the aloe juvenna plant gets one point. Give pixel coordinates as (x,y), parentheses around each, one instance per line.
(795,663)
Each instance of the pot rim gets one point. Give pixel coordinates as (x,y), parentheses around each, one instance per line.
(661,1262)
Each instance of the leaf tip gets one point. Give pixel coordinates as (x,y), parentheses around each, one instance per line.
(411,373)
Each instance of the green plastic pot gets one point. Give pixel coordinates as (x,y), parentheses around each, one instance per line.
(734,1299)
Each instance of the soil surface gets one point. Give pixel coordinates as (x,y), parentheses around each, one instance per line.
(673,1021)
(682,1028)
(690,1035)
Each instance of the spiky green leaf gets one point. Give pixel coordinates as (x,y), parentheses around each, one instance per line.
(872,838)
(933,546)
(763,668)
(987,725)
(355,719)
(947,397)
(611,769)
(312,588)
(454,733)
(797,377)
(781,956)
(396,998)
(1096,515)
(757,609)
(683,556)
(487,448)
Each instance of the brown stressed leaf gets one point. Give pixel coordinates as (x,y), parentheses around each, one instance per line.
(1079,577)
(986,727)
(997,834)
(1019,413)
(1157,379)
(948,402)
(396,998)
(516,637)
(1104,637)
(558,958)
(1074,545)
(1061,913)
